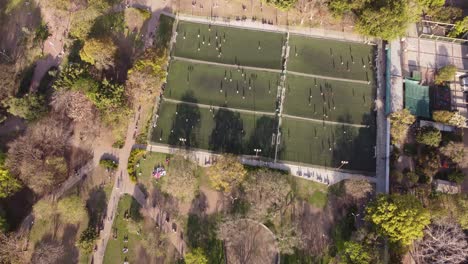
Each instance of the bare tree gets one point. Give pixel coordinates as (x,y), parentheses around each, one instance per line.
(247,242)
(443,243)
(74,105)
(267,191)
(38,157)
(48,252)
(10,251)
(181,181)
(358,189)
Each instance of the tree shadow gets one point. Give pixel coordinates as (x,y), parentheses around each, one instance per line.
(68,241)
(355,147)
(185,123)
(262,137)
(228,132)
(201,233)
(134,211)
(97,206)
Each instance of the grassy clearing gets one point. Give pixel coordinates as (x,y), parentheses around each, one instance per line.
(124,228)
(331,58)
(238,46)
(314,193)
(222,86)
(327,145)
(340,101)
(221,130)
(147,164)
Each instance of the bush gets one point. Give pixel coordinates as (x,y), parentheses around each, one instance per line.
(410,149)
(135,156)
(108,164)
(119,143)
(400,123)
(397,176)
(456,176)
(429,136)
(445,74)
(87,239)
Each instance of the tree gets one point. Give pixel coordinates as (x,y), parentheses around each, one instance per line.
(430,136)
(401,218)
(388,20)
(71,209)
(400,122)
(289,238)
(355,253)
(181,179)
(42,34)
(37,158)
(87,240)
(339,7)
(442,116)
(11,250)
(454,151)
(267,191)
(48,252)
(460,28)
(445,74)
(445,14)
(429,4)
(443,243)
(29,107)
(74,105)
(99,52)
(146,77)
(226,173)
(108,164)
(196,256)
(4,226)
(456,176)
(8,183)
(281,4)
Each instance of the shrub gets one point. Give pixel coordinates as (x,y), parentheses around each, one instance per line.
(429,136)
(400,123)
(87,239)
(445,74)
(108,164)
(456,176)
(135,155)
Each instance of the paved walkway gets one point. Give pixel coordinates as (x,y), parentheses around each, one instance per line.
(324,121)
(226,65)
(219,107)
(309,172)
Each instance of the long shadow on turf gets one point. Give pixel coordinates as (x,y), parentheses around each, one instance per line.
(185,124)
(228,132)
(355,148)
(262,137)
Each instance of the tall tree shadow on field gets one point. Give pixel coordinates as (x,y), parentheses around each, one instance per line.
(262,137)
(97,206)
(186,123)
(228,132)
(68,241)
(357,148)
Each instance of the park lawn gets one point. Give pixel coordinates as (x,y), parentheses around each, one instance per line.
(325,57)
(222,86)
(327,145)
(146,166)
(238,46)
(316,194)
(124,227)
(341,101)
(221,130)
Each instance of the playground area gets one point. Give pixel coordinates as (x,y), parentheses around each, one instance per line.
(233,90)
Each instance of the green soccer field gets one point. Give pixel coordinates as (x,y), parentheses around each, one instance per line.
(222,86)
(237,46)
(221,130)
(337,101)
(331,58)
(327,145)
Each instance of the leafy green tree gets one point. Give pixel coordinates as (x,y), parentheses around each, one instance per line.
(8,184)
(29,107)
(3,222)
(388,20)
(445,74)
(428,4)
(108,164)
(41,34)
(454,151)
(339,7)
(445,14)
(196,256)
(401,218)
(460,28)
(430,136)
(355,253)
(99,52)
(442,116)
(456,176)
(87,240)
(281,4)
(400,122)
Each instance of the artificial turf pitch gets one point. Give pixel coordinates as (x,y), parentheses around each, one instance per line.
(327,144)
(237,46)
(330,100)
(331,58)
(218,130)
(222,86)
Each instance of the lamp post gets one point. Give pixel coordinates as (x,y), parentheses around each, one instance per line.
(257,151)
(183,140)
(343,162)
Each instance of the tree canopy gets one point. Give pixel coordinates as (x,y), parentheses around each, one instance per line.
(196,256)
(29,107)
(430,136)
(401,218)
(8,183)
(401,121)
(355,253)
(445,74)
(99,52)
(181,179)
(226,173)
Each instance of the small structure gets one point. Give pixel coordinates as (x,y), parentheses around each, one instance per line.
(417,98)
(446,187)
(159,172)
(439,126)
